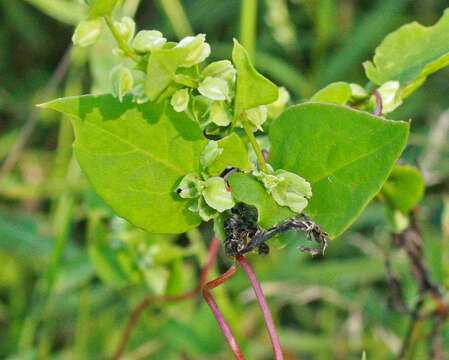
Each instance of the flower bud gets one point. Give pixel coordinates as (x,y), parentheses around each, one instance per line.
(220,69)
(210,152)
(218,114)
(217,195)
(292,191)
(276,108)
(147,40)
(126,28)
(214,88)
(190,186)
(180,100)
(391,96)
(199,50)
(257,116)
(87,32)
(122,81)
(357,92)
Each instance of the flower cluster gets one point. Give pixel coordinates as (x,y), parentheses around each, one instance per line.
(210,195)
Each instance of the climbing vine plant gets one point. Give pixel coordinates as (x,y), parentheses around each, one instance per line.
(181,140)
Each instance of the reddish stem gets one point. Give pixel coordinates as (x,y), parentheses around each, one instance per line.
(132,322)
(217,313)
(378,111)
(264,307)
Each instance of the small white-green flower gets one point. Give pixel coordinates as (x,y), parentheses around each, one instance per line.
(210,152)
(214,88)
(180,100)
(87,32)
(220,69)
(390,93)
(217,195)
(257,116)
(122,81)
(292,191)
(205,211)
(126,28)
(190,186)
(219,115)
(147,40)
(199,50)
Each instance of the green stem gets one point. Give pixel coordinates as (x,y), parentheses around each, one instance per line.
(254,144)
(177,17)
(248,24)
(121,43)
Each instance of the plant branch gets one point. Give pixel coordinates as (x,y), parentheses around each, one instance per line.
(217,313)
(248,25)
(132,322)
(254,143)
(264,307)
(121,43)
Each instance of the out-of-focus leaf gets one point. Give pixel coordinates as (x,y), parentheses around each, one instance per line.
(69,12)
(101,7)
(403,189)
(410,54)
(345,154)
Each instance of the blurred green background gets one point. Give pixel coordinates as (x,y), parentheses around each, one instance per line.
(72,272)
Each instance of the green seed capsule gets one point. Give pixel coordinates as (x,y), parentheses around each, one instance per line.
(147,40)
(122,81)
(214,88)
(219,115)
(217,195)
(87,32)
(210,152)
(180,100)
(190,186)
(292,191)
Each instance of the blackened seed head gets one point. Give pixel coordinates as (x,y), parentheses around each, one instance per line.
(178,190)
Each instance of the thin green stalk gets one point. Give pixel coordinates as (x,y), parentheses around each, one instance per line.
(248,24)
(255,145)
(177,17)
(121,43)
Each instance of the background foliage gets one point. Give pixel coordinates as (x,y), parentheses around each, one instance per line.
(73,271)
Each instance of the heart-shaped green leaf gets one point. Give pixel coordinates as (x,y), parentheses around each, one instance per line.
(253,89)
(135,155)
(345,154)
(247,189)
(403,189)
(410,54)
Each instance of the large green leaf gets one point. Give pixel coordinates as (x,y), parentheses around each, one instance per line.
(345,154)
(247,189)
(404,188)
(410,54)
(134,156)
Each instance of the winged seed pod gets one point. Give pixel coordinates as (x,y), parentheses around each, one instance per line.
(87,32)
(180,100)
(220,69)
(122,81)
(214,88)
(217,195)
(126,28)
(147,40)
(292,191)
(199,50)
(391,96)
(210,152)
